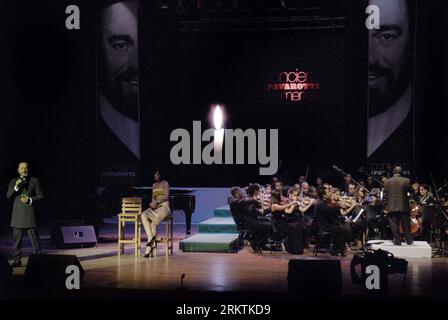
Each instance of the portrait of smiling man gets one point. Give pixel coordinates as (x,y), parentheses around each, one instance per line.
(390,80)
(118,83)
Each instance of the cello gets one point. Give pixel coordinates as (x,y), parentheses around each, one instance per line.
(416,223)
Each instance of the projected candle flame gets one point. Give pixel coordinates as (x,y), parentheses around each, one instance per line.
(218,117)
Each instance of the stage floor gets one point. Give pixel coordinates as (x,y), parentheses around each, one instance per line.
(225,272)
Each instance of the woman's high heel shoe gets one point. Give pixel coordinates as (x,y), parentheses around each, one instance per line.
(149,252)
(150,245)
(152,242)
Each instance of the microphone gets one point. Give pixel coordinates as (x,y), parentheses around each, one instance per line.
(181,287)
(336,168)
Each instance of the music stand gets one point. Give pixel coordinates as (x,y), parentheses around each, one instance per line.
(374,219)
(429,213)
(441,221)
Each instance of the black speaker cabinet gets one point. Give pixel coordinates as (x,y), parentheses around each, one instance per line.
(5,273)
(67,237)
(315,278)
(45,271)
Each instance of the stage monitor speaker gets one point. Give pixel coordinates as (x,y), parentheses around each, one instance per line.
(55,226)
(75,237)
(315,278)
(5,274)
(48,271)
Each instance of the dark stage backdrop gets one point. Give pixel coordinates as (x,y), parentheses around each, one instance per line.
(183,74)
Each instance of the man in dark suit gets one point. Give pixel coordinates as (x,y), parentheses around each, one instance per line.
(245,213)
(328,216)
(396,205)
(25,191)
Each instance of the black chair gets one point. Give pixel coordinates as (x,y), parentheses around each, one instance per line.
(243,236)
(322,239)
(376,224)
(277,239)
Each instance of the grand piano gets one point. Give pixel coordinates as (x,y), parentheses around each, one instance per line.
(180,199)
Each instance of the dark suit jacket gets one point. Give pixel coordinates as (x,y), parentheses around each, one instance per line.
(396,194)
(243,211)
(23,215)
(327,217)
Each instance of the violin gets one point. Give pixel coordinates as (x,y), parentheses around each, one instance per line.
(296,203)
(346,202)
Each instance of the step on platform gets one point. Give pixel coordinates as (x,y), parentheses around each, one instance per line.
(218,225)
(209,242)
(420,249)
(222,212)
(216,234)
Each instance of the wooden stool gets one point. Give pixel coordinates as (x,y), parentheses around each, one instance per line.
(131,209)
(168,239)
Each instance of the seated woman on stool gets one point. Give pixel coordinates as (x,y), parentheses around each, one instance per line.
(158,210)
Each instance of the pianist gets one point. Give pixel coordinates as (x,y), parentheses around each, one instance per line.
(158,210)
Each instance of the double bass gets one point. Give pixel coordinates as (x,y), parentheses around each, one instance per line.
(416,220)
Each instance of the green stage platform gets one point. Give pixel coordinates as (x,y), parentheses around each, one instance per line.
(216,234)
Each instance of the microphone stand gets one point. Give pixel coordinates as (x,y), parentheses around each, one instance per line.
(343,174)
(306,178)
(442,187)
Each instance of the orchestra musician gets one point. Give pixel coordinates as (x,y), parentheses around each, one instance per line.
(319,183)
(245,212)
(416,192)
(328,214)
(359,224)
(279,187)
(425,196)
(396,205)
(265,198)
(300,213)
(425,199)
(346,207)
(314,194)
(371,183)
(351,190)
(294,231)
(305,190)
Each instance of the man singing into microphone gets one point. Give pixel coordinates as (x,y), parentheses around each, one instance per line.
(25,191)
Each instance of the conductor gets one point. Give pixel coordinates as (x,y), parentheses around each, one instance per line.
(396,205)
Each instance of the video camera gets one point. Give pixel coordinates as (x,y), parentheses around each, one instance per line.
(385,261)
